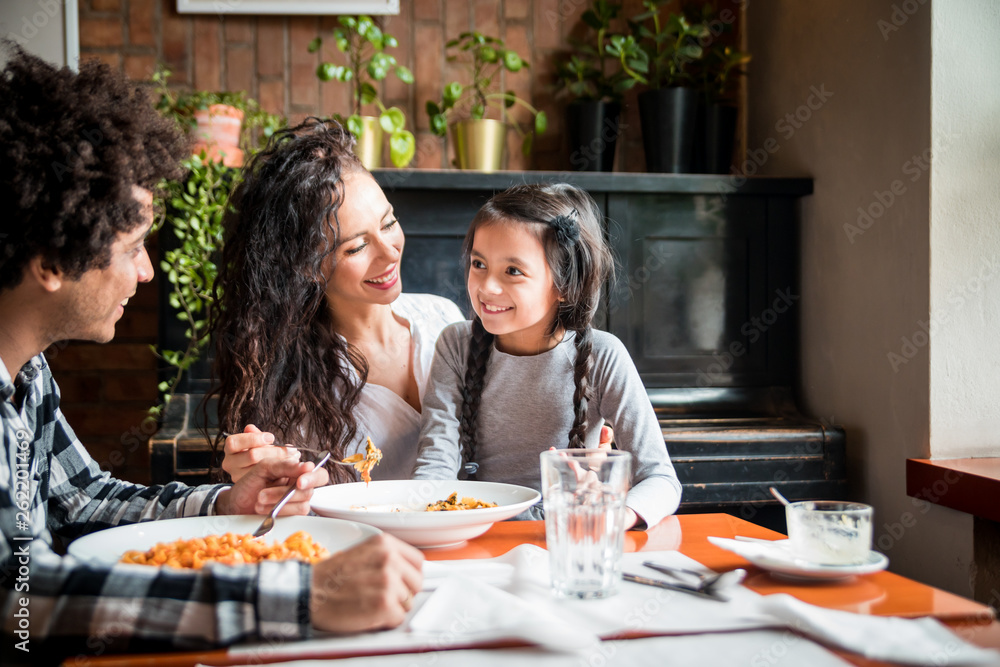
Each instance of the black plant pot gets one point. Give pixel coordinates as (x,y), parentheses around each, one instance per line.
(668,129)
(592,129)
(718,137)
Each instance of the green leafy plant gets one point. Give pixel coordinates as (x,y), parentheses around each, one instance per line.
(258,124)
(590,72)
(721,62)
(486,57)
(193,210)
(365,43)
(660,53)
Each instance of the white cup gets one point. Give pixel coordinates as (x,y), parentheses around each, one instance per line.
(830,532)
(584,495)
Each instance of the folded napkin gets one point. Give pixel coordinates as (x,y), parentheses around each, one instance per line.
(475,612)
(922,641)
(523,573)
(493,572)
(776,551)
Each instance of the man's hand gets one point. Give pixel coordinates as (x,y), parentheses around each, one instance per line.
(265,484)
(368,587)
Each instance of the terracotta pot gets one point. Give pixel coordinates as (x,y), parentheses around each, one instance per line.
(218,134)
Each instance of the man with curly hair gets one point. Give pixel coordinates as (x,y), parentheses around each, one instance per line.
(79,157)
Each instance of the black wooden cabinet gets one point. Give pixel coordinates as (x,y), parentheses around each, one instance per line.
(701,265)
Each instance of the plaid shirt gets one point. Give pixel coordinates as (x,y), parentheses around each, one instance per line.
(50,486)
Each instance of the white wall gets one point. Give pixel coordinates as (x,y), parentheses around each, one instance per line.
(46,28)
(865,280)
(965,229)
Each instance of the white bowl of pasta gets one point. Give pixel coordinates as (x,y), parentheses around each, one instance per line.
(399,507)
(107,547)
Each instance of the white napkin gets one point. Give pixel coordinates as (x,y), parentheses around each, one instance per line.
(922,641)
(523,572)
(776,551)
(474,612)
(493,572)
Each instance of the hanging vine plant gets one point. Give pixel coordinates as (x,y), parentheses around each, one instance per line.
(193,212)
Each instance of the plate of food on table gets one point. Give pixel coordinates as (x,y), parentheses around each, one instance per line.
(192,542)
(425,513)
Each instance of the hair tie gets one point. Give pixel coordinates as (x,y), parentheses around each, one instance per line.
(566,229)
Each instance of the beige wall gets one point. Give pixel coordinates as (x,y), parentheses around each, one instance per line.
(965,236)
(865,283)
(47,28)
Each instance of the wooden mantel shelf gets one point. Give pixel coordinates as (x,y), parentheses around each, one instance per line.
(966,485)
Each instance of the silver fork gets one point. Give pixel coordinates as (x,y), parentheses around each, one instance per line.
(708,582)
(268,523)
(309,450)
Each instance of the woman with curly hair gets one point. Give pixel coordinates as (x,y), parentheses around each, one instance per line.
(315,341)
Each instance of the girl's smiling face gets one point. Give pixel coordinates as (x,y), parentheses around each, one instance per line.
(511,289)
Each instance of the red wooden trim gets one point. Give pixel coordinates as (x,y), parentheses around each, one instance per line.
(966,485)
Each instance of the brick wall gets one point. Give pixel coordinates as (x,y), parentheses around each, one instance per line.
(267,57)
(107,388)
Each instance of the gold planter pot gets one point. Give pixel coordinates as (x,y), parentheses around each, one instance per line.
(480,144)
(369,145)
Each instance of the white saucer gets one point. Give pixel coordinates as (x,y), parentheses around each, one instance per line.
(777,559)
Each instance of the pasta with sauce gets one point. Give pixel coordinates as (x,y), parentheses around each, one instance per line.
(228,549)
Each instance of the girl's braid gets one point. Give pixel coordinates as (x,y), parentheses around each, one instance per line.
(475,374)
(581,379)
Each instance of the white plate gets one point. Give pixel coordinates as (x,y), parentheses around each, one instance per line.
(778,559)
(375,504)
(107,546)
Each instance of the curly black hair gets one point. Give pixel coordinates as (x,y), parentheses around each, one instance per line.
(278,361)
(72,146)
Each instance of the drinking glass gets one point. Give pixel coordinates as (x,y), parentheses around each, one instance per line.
(584,496)
(830,532)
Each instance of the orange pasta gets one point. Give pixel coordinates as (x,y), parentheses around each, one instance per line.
(228,549)
(364,463)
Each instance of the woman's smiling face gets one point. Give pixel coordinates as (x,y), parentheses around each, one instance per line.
(365,263)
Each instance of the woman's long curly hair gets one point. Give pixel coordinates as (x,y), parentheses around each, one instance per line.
(279,363)
(567,221)
(72,146)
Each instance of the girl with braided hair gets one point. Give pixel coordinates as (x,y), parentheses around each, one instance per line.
(529,372)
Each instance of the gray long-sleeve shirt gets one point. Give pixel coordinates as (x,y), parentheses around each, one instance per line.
(527,407)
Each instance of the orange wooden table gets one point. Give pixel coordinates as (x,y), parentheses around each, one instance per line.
(881,593)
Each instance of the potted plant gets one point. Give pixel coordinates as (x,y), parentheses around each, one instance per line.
(660,54)
(191,223)
(223,124)
(480,142)
(192,209)
(364,44)
(595,81)
(718,114)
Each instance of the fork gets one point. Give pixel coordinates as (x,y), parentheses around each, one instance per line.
(309,450)
(708,582)
(268,523)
